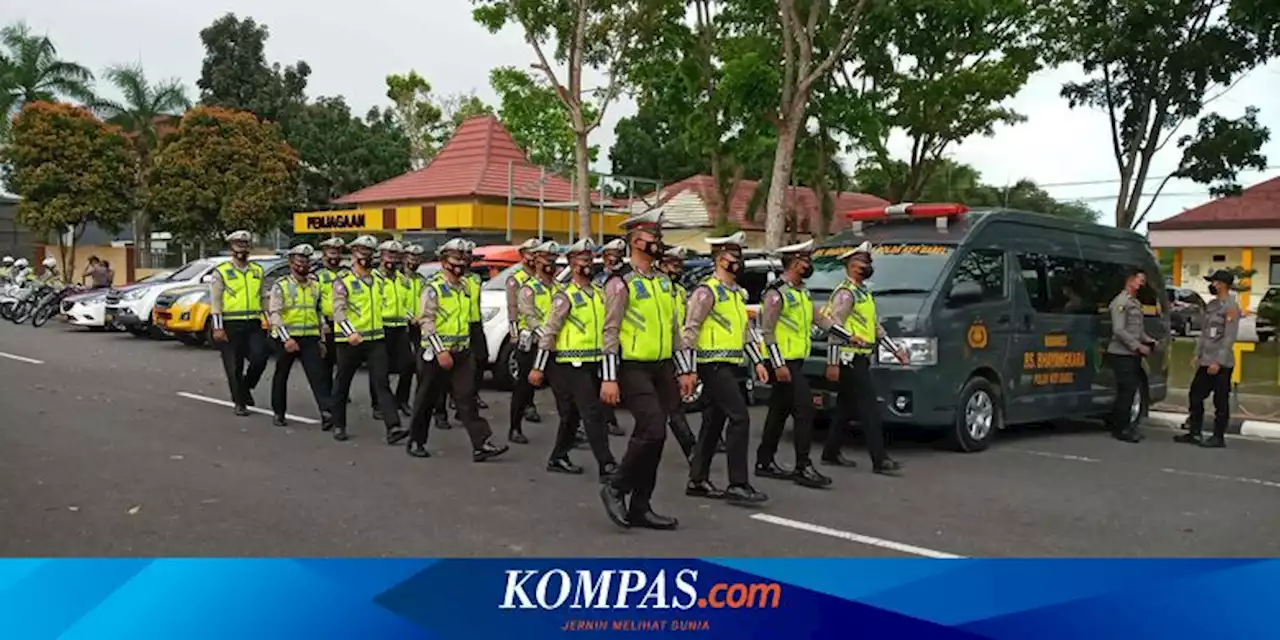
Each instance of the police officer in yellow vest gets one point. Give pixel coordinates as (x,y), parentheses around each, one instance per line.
(330,269)
(296,320)
(446,362)
(569,354)
(479,343)
(358,310)
(411,288)
(612,255)
(395,319)
(533,303)
(673,265)
(526,272)
(639,333)
(235,298)
(786,325)
(854,334)
(715,338)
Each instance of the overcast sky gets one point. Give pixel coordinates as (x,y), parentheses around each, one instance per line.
(352,46)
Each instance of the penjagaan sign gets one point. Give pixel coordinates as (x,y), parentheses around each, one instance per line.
(335,221)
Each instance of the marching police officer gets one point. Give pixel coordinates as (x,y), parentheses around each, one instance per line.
(1214,361)
(534,303)
(569,353)
(410,295)
(479,343)
(514,282)
(639,333)
(612,255)
(446,361)
(358,307)
(854,334)
(716,335)
(330,269)
(672,264)
(786,321)
(294,315)
(235,296)
(395,319)
(1129,344)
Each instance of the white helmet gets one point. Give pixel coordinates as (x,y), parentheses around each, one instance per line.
(49,263)
(8,260)
(20,263)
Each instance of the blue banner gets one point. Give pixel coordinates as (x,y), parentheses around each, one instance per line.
(708,598)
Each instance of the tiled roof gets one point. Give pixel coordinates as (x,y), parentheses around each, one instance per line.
(690,203)
(1255,207)
(474,163)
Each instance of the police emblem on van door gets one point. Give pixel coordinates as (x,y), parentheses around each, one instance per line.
(977,335)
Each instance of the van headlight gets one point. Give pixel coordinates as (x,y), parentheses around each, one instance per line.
(189,300)
(921,352)
(133,295)
(488,313)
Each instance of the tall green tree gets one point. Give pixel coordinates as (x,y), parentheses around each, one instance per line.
(71,170)
(1153,66)
(31,71)
(537,118)
(222,170)
(235,73)
(342,153)
(601,35)
(141,111)
(418,115)
(457,107)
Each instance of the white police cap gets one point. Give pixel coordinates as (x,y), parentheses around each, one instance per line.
(650,220)
(677,252)
(738,240)
(585,245)
(336,243)
(617,244)
(530,244)
(455,244)
(303,249)
(864,248)
(392,246)
(795,249)
(550,246)
(364,242)
(239,236)
(414,249)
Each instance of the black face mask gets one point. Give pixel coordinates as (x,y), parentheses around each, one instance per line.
(333,262)
(866,271)
(548,267)
(583,270)
(651,248)
(734,268)
(454,267)
(301,269)
(364,261)
(807,271)
(612,262)
(239,254)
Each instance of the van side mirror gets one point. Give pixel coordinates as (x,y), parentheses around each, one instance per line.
(965,292)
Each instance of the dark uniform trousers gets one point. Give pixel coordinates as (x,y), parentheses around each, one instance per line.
(312,364)
(396,341)
(1128,373)
(372,354)
(522,395)
(856,397)
(788,398)
(479,352)
(409,369)
(577,391)
(679,424)
(720,383)
(330,358)
(245,341)
(433,382)
(650,393)
(1219,384)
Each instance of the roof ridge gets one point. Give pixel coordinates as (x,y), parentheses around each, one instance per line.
(488,145)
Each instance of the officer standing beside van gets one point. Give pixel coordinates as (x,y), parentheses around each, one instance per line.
(293,313)
(1214,361)
(854,334)
(235,300)
(1129,344)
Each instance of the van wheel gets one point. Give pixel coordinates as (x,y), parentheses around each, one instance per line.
(979,415)
(1141,403)
(503,378)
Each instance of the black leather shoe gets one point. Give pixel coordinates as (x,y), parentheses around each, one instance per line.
(517,437)
(773,470)
(531,414)
(442,423)
(406,410)
(838,460)
(807,476)
(340,434)
(887,467)
(647,519)
(615,504)
(564,465)
(1189,438)
(326,421)
(703,489)
(278,421)
(1214,442)
(396,435)
(744,494)
(417,450)
(377,414)
(488,451)
(1126,436)
(616,429)
(481,404)
(249,401)
(608,472)
(241,410)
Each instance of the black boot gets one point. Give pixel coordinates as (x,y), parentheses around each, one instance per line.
(887,467)
(562,464)
(1214,442)
(377,414)
(806,475)
(442,422)
(703,489)
(481,404)
(531,414)
(1127,436)
(241,410)
(517,437)
(418,450)
(773,470)
(616,429)
(278,420)
(249,401)
(1188,438)
(645,518)
(340,434)
(838,460)
(326,421)
(615,504)
(744,494)
(395,435)
(488,451)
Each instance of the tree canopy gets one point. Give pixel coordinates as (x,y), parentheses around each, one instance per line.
(235,73)
(342,153)
(31,71)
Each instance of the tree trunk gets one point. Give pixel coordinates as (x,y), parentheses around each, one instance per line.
(582,161)
(783,159)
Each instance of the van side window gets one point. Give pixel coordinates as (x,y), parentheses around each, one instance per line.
(1056,284)
(1035,279)
(984,267)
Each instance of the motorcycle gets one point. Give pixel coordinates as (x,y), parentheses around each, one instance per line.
(26,305)
(50,303)
(10,296)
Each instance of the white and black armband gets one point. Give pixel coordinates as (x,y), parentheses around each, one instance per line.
(436,344)
(888,344)
(514,329)
(840,332)
(775,357)
(833,356)
(283,333)
(686,361)
(753,353)
(217,321)
(540,360)
(346,328)
(609,367)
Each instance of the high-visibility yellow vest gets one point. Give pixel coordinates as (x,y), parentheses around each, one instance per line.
(720,339)
(413,294)
(682,303)
(794,331)
(541,301)
(646,333)
(390,288)
(581,338)
(241,292)
(326,276)
(452,305)
(299,316)
(364,307)
(862,319)
(473,294)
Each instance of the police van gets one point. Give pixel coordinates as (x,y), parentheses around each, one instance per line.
(1004,314)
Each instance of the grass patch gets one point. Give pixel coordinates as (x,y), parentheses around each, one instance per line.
(1260,373)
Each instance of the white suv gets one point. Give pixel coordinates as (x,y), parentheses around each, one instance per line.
(132,309)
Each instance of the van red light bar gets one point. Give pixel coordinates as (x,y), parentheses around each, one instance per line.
(907,210)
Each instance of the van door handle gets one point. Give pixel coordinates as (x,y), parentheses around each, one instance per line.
(1004,319)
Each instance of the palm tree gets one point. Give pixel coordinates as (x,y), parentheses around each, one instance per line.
(142,111)
(30,71)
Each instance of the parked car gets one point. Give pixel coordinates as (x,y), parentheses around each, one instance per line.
(1268,314)
(1187,313)
(184,311)
(89,309)
(132,309)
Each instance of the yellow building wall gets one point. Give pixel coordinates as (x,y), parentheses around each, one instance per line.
(480,215)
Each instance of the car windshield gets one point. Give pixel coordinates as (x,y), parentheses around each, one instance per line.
(191,270)
(159,276)
(899,268)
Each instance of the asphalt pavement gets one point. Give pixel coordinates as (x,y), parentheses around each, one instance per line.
(112,445)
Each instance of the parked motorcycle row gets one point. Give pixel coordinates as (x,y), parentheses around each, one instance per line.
(32,301)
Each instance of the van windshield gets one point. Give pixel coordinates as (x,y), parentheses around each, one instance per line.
(900,268)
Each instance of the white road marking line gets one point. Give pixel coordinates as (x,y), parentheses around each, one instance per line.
(227,403)
(1214,476)
(20,358)
(1050,454)
(854,537)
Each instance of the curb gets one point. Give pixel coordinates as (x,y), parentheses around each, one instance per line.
(1237,427)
